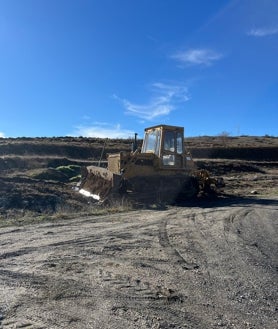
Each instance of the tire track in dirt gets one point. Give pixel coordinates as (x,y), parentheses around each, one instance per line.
(196,245)
(175,255)
(228,267)
(222,271)
(146,296)
(244,231)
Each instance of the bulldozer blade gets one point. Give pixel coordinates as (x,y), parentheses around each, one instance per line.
(98,182)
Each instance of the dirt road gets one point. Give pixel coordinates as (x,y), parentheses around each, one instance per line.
(213,266)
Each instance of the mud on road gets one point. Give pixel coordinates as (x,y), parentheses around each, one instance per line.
(213,266)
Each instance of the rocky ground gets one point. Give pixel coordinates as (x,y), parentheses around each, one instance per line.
(209,263)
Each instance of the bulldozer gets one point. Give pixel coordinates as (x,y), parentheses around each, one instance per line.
(159,171)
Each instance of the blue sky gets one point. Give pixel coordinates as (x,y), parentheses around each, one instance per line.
(107,68)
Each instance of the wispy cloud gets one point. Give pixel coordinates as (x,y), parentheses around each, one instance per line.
(162,102)
(2,135)
(197,57)
(102,130)
(263,32)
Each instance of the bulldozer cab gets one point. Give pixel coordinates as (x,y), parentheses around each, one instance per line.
(167,143)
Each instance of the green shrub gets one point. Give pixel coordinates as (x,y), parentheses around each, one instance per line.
(70,171)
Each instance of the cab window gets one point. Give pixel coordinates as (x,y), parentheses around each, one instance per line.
(179,143)
(169,141)
(151,142)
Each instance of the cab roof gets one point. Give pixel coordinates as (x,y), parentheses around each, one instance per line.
(166,127)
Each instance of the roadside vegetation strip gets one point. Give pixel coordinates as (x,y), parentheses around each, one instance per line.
(30,218)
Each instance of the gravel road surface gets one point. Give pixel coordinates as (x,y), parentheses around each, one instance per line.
(214,266)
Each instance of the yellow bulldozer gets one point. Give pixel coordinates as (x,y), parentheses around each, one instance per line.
(160,171)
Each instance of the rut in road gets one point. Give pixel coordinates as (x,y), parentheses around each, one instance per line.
(174,254)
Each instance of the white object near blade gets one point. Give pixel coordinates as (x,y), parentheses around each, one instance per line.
(88,194)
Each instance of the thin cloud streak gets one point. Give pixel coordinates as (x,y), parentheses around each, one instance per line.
(102,131)
(197,57)
(263,32)
(163,101)
(2,135)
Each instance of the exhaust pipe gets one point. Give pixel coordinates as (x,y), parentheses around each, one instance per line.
(134,145)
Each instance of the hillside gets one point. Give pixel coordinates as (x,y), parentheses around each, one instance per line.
(38,175)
